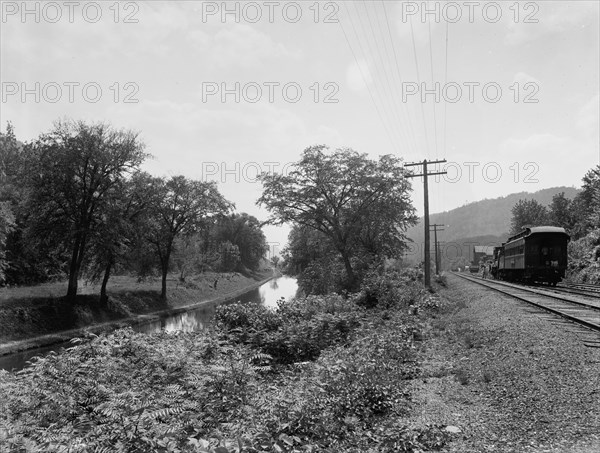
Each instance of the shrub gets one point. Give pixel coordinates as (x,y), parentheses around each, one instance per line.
(391,288)
(296,331)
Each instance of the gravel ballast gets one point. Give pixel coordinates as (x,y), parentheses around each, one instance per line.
(510,377)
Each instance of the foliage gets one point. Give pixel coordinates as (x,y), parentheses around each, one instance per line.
(115,239)
(323,275)
(527,213)
(179,206)
(559,212)
(390,288)
(71,171)
(243,232)
(584,259)
(362,206)
(342,390)
(28,258)
(7,223)
(298,330)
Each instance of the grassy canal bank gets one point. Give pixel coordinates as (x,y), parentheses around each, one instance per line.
(38,316)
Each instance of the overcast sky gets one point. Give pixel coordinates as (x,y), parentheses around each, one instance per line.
(507,93)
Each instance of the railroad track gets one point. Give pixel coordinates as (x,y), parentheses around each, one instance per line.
(567,289)
(584,313)
(587,287)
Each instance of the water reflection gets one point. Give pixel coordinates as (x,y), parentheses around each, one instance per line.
(267,294)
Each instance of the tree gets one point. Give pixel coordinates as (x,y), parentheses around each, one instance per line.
(71,172)
(115,237)
(179,206)
(559,212)
(243,231)
(357,203)
(585,208)
(7,223)
(528,213)
(9,150)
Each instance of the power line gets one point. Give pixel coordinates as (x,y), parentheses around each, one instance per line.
(375,61)
(365,81)
(393,86)
(419,78)
(411,128)
(433,83)
(445,82)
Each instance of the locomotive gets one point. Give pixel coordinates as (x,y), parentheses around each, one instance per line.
(536,254)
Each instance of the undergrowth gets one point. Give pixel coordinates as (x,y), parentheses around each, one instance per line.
(319,374)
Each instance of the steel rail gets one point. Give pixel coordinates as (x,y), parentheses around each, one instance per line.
(495,287)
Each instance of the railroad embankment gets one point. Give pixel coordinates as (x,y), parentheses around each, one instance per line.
(37,316)
(509,377)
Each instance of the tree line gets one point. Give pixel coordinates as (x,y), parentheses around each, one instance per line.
(75,203)
(579,216)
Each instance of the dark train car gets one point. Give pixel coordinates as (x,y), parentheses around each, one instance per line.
(495,258)
(536,254)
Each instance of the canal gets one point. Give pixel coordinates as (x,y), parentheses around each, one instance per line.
(268,294)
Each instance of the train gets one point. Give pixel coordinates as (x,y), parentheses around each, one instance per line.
(535,255)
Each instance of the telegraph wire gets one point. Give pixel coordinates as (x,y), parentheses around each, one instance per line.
(411,128)
(383,90)
(365,81)
(390,86)
(433,86)
(383,111)
(445,82)
(419,78)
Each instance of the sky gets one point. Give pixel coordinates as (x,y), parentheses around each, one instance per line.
(506,92)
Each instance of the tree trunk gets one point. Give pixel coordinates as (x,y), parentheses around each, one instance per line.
(103,296)
(349,272)
(163,291)
(74,271)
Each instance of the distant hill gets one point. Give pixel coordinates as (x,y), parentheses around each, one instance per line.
(482,222)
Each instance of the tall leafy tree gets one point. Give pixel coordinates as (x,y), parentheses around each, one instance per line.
(7,223)
(9,196)
(353,200)
(559,212)
(528,213)
(243,231)
(179,206)
(585,208)
(71,172)
(115,237)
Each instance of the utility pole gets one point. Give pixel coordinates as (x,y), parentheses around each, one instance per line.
(425,174)
(436,228)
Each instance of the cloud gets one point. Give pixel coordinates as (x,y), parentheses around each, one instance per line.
(553,18)
(588,118)
(358,76)
(238,45)
(522,78)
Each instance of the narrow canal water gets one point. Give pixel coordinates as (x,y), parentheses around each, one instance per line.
(268,294)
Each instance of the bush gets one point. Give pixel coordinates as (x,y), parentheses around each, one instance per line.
(584,255)
(391,288)
(296,331)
